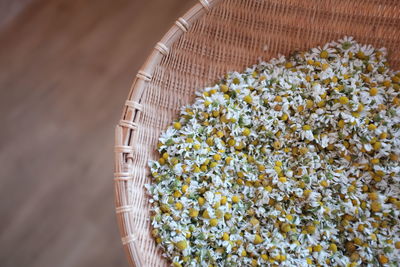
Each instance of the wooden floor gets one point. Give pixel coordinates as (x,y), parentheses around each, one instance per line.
(65,70)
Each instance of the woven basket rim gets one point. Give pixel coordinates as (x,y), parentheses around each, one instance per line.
(143,76)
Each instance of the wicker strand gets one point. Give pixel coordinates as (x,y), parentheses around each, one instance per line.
(205,4)
(128,124)
(123,149)
(123,209)
(133,105)
(128,239)
(182,24)
(122,176)
(162,48)
(143,76)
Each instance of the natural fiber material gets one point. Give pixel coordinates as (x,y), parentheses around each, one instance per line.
(215,37)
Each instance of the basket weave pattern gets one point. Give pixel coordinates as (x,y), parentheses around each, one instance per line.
(212,38)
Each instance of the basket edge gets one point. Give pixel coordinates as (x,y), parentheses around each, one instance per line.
(125,129)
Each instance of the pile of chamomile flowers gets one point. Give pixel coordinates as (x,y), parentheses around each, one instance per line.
(294,162)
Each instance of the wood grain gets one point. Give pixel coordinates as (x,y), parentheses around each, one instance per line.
(9,9)
(65,70)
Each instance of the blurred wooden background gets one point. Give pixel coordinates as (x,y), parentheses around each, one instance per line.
(65,70)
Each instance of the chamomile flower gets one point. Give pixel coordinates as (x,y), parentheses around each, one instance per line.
(294,162)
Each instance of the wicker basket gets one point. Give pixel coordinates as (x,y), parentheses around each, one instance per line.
(210,39)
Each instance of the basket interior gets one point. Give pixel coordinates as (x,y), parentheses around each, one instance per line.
(233,34)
